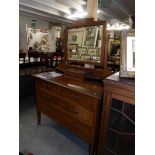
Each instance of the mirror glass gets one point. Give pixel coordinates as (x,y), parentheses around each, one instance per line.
(85,45)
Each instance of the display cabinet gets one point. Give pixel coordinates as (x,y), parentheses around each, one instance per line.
(117,127)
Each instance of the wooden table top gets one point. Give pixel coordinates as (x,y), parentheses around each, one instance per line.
(92,89)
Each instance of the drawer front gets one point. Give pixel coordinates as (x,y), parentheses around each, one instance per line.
(85,101)
(54,101)
(82,130)
(74,76)
(84,116)
(47,86)
(60,116)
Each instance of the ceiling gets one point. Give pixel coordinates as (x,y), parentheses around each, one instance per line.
(66,11)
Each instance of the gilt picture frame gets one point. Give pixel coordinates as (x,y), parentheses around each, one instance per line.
(93,51)
(82,50)
(75,36)
(90,36)
(85,57)
(127,55)
(72,48)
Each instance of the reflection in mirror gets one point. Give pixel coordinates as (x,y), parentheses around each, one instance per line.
(114,50)
(84,44)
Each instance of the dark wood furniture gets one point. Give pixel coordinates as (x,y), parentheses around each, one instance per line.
(71,100)
(100,68)
(22,56)
(33,54)
(72,103)
(57,58)
(117,129)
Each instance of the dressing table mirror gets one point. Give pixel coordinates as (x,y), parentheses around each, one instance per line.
(85,48)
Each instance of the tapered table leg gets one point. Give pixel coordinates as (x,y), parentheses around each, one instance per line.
(38,117)
(91,149)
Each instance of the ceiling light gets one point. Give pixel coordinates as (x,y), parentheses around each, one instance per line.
(98,11)
(117,27)
(77,15)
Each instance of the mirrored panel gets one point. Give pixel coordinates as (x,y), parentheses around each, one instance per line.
(85,44)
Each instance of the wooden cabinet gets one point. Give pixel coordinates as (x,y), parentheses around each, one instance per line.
(75,105)
(117,128)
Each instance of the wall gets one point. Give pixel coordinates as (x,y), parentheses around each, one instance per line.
(40,24)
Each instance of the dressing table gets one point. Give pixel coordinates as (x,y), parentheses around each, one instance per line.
(74,99)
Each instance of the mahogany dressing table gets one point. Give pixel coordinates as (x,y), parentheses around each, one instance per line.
(71,99)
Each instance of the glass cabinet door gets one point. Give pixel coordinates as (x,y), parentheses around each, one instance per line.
(121,129)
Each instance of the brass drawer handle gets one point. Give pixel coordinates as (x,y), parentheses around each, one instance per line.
(75,97)
(48,86)
(47,97)
(76,111)
(76,125)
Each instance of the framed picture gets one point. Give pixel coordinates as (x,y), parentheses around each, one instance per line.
(74,56)
(99,52)
(93,51)
(82,50)
(96,58)
(127,56)
(85,57)
(75,36)
(90,36)
(72,48)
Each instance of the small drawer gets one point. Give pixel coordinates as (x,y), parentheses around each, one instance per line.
(47,86)
(75,76)
(52,100)
(85,101)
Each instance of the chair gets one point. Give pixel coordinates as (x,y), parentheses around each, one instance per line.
(43,59)
(22,56)
(33,54)
(56,59)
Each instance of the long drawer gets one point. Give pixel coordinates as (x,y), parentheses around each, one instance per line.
(53,100)
(85,101)
(74,110)
(71,123)
(82,130)
(60,116)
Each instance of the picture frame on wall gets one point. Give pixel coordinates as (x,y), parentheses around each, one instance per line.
(93,51)
(75,36)
(82,50)
(75,56)
(127,56)
(96,58)
(85,57)
(90,36)
(72,48)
